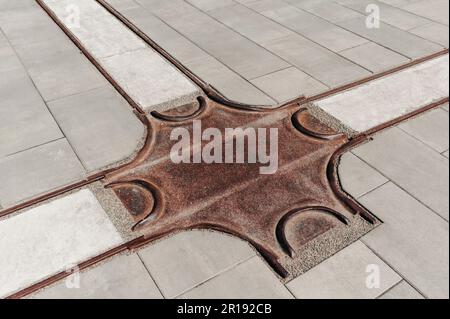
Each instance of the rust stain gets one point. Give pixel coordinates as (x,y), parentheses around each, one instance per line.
(275,213)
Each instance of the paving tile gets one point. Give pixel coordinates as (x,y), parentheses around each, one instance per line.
(123,277)
(412,165)
(446,154)
(402,291)
(8,58)
(250,280)
(67,74)
(436,10)
(209,35)
(326,9)
(207,5)
(434,32)
(184,261)
(288,84)
(100,126)
(392,38)
(38,170)
(322,64)
(149,80)
(101,33)
(394,16)
(25,121)
(432,128)
(378,101)
(229,83)
(52,237)
(124,4)
(208,68)
(445,107)
(374,57)
(358,178)
(413,240)
(346,275)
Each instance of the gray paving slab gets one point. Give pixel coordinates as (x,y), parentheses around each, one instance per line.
(8,58)
(288,84)
(100,126)
(66,74)
(413,240)
(356,177)
(346,275)
(436,10)
(251,279)
(188,259)
(207,5)
(51,238)
(320,63)
(209,34)
(123,277)
(25,121)
(432,128)
(326,9)
(208,68)
(402,291)
(38,170)
(434,32)
(412,165)
(394,16)
(318,30)
(374,57)
(395,39)
(124,4)
(445,107)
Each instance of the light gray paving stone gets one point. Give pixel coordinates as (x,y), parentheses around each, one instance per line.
(374,57)
(379,101)
(151,82)
(402,291)
(412,165)
(38,170)
(250,280)
(100,126)
(446,153)
(434,32)
(67,74)
(51,238)
(25,121)
(8,58)
(205,66)
(207,5)
(123,277)
(436,10)
(394,16)
(238,53)
(100,33)
(288,84)
(445,107)
(358,178)
(399,3)
(322,64)
(346,275)
(432,128)
(413,240)
(229,83)
(318,30)
(35,26)
(124,4)
(181,262)
(326,9)
(392,38)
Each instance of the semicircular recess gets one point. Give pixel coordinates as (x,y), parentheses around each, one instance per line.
(136,198)
(309,125)
(182,113)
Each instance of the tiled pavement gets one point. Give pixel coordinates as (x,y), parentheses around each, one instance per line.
(401,176)
(253,51)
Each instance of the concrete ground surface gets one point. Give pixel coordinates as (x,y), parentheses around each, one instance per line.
(61,120)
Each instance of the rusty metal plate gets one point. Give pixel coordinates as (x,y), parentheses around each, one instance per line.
(276,213)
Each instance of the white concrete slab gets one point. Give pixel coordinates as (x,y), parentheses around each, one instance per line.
(45,240)
(390,97)
(402,291)
(143,74)
(353,273)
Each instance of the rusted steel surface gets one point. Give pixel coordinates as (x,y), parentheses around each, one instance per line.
(276,213)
